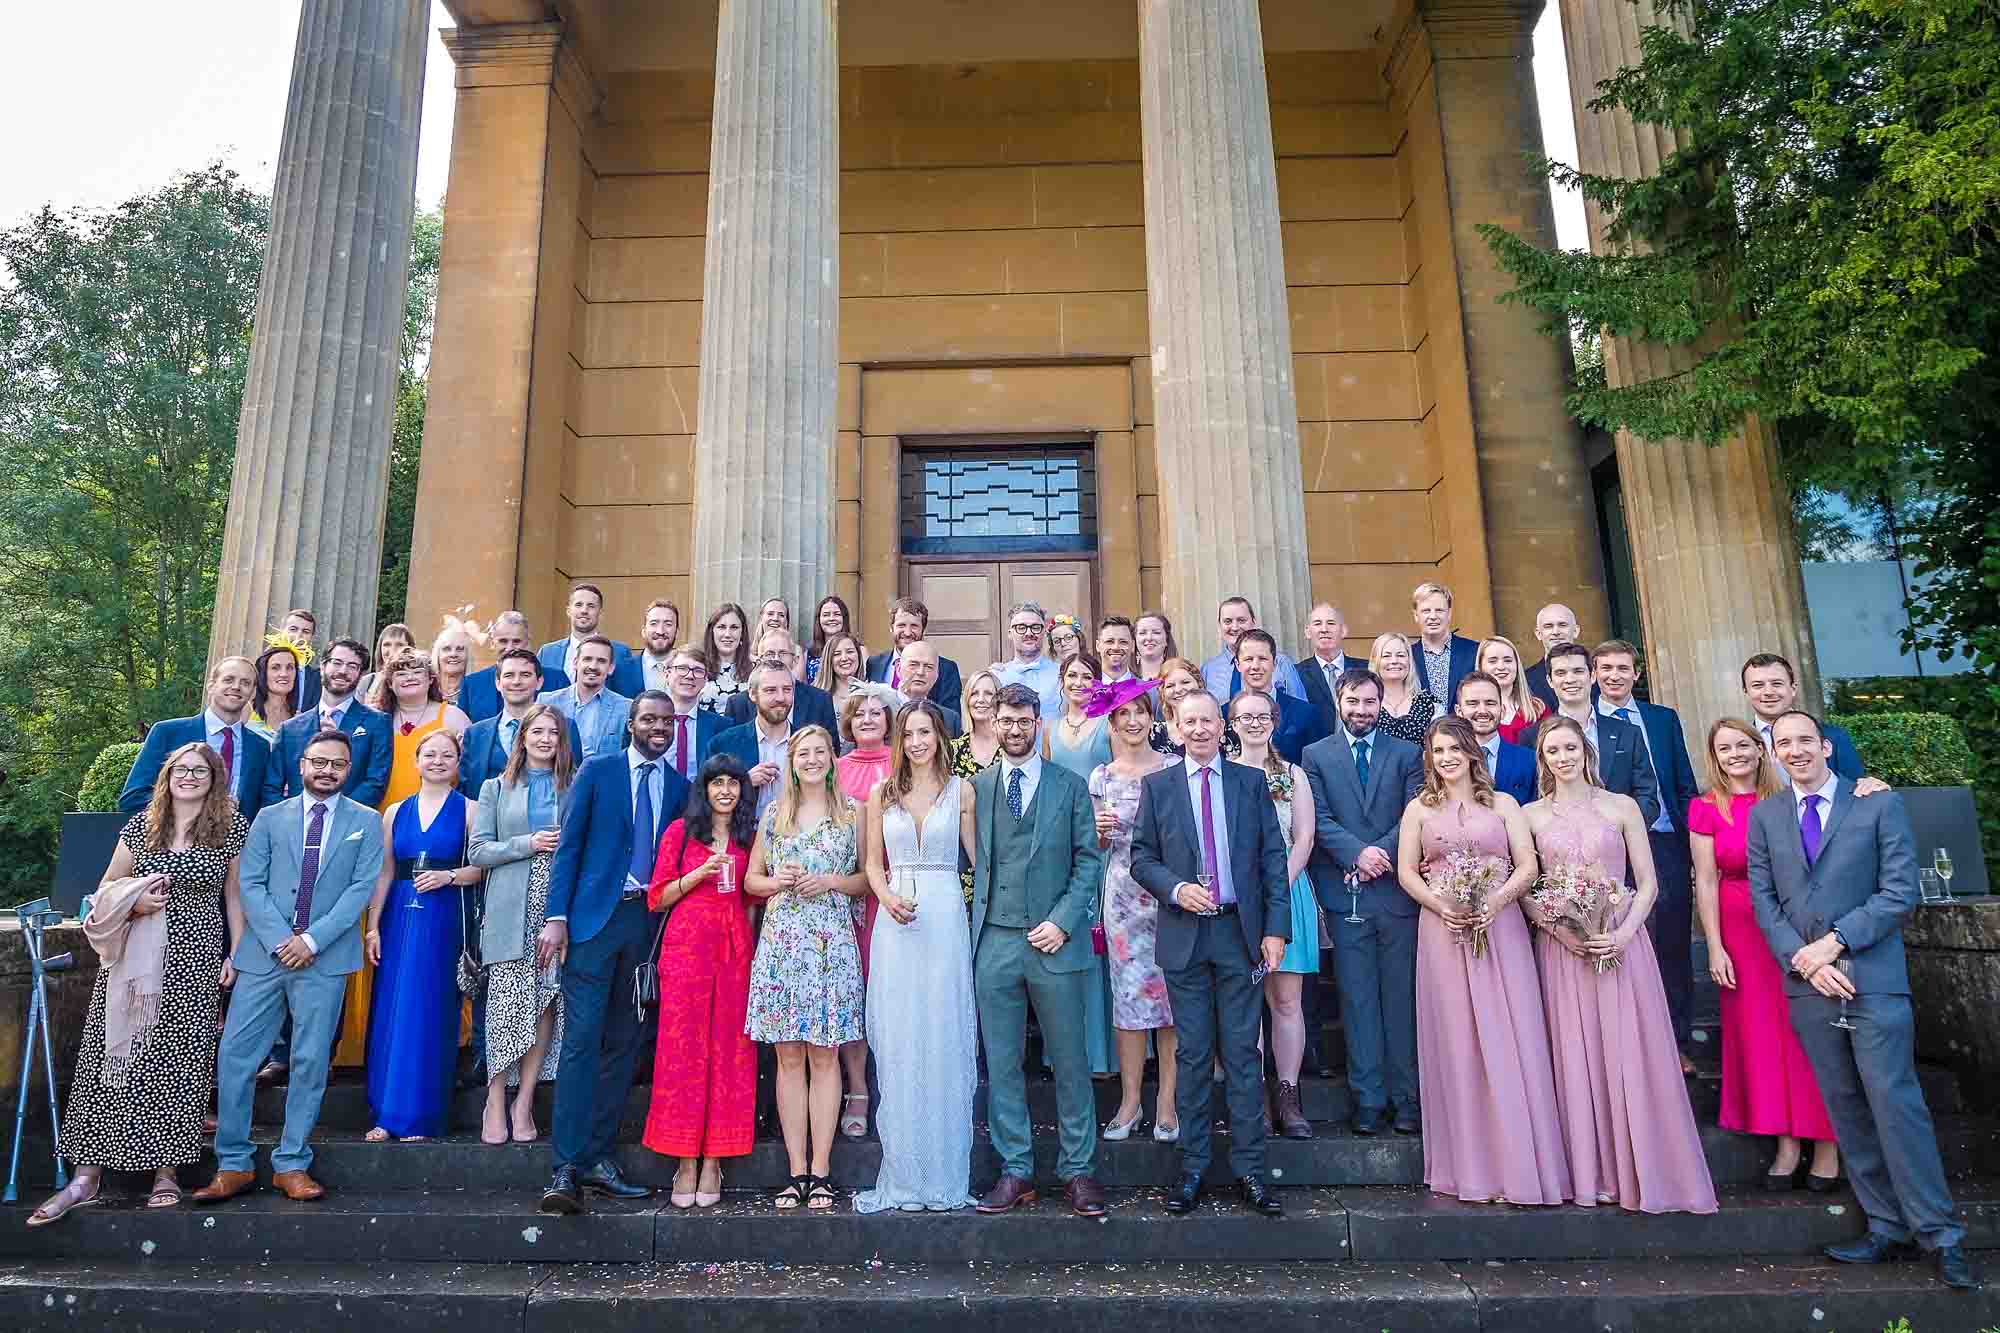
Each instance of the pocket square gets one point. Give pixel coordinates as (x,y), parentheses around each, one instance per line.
(353,837)
(359,731)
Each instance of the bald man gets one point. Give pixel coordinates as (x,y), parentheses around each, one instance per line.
(1554,624)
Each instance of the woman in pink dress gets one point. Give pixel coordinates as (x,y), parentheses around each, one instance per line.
(1767,1083)
(1491,1133)
(864,730)
(1620,1093)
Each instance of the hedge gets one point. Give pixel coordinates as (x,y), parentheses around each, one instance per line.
(1910,749)
(106,776)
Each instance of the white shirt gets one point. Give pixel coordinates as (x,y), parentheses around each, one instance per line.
(215,727)
(770,750)
(1605,708)
(1587,719)
(1824,791)
(655,674)
(633,761)
(1031,777)
(1225,887)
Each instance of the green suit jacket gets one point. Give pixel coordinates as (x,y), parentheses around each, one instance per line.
(1065,874)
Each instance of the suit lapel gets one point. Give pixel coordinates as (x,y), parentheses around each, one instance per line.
(1843,801)
(1343,763)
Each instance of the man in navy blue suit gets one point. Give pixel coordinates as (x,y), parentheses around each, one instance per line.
(1623,765)
(1773,690)
(244,753)
(1615,668)
(479,693)
(1554,624)
(694,727)
(1511,766)
(646,669)
(367,732)
(908,619)
(1325,662)
(760,743)
(1441,656)
(599,930)
(811,706)
(1297,723)
(489,742)
(586,610)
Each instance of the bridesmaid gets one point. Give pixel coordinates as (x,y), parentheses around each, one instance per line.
(1768,1085)
(1139,1007)
(1519,708)
(1080,743)
(1614,1042)
(1491,1133)
(704,1105)
(415,933)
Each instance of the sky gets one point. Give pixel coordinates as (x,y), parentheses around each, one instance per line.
(108,100)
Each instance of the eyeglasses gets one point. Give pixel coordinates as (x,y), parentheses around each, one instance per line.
(1253,719)
(1026,627)
(318,765)
(1015,724)
(683,669)
(189,770)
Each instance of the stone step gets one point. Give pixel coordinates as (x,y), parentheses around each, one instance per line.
(1633,1296)
(1320,1225)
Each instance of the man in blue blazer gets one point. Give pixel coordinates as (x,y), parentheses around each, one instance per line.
(1432,603)
(1622,762)
(1512,766)
(244,753)
(908,619)
(367,732)
(811,706)
(693,728)
(1615,668)
(600,930)
(760,743)
(479,693)
(600,713)
(1773,690)
(586,611)
(488,743)
(1297,723)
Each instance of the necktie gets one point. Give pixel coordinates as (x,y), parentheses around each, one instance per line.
(681,745)
(1361,763)
(1766,729)
(1014,793)
(1809,830)
(229,758)
(642,827)
(509,727)
(1208,832)
(896,682)
(309,867)
(1331,670)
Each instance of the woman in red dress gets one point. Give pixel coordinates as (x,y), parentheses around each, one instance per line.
(705,1068)
(1767,1082)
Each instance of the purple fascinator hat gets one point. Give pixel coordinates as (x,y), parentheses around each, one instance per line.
(1108,699)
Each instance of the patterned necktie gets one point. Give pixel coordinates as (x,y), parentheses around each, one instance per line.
(309,867)
(681,745)
(1810,831)
(1208,832)
(1014,793)
(229,758)
(642,827)
(512,727)
(1361,763)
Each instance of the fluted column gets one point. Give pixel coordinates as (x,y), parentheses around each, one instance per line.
(312,445)
(1711,527)
(1225,417)
(763,522)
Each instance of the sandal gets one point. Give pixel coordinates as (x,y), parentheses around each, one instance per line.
(66,1201)
(793,1193)
(854,1125)
(166,1194)
(376,1135)
(820,1194)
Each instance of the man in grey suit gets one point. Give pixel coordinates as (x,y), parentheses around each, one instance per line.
(306,876)
(1035,884)
(1361,780)
(1207,845)
(1832,878)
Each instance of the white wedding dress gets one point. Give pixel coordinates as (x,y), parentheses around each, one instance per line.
(922,1027)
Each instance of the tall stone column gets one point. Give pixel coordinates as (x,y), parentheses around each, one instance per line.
(1226,426)
(763,523)
(1711,527)
(312,446)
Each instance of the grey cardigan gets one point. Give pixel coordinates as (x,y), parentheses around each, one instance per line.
(500,847)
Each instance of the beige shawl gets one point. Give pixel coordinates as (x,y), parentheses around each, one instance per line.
(134,951)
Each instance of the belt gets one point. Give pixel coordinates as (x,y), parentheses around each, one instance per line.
(1224,909)
(408,869)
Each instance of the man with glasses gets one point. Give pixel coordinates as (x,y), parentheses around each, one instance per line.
(367,732)
(479,693)
(694,727)
(1027,632)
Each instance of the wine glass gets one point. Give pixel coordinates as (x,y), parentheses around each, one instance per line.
(909,890)
(1845,966)
(1207,882)
(1930,888)
(422,864)
(1353,917)
(1941,862)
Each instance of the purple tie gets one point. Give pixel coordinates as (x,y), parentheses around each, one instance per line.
(309,867)
(1208,833)
(1809,830)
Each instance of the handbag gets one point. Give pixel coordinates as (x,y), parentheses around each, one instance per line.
(646,976)
(469,966)
(1097,943)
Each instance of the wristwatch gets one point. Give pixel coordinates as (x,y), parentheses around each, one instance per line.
(1841,940)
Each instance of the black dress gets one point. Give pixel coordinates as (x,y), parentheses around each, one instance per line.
(1412,725)
(155,1119)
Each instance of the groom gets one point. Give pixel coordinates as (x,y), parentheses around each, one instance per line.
(1034,898)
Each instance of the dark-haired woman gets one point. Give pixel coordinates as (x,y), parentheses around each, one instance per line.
(725,651)
(276,697)
(831,619)
(146,1069)
(705,1068)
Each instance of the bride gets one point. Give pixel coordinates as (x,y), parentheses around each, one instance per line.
(921,1022)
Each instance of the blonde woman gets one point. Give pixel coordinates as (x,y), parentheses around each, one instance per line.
(1519,708)
(980,745)
(451,659)
(806,991)
(840,669)
(1407,709)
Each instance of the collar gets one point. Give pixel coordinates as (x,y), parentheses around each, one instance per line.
(328,705)
(1190,767)
(507,712)
(1031,767)
(1825,789)
(633,759)
(1587,717)
(213,723)
(1444,647)
(576,638)
(693,708)
(576,693)
(1338,659)
(757,721)
(1353,740)
(1491,744)
(1605,708)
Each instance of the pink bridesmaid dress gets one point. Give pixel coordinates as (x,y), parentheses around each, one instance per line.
(1767,1083)
(1619,1089)
(1491,1132)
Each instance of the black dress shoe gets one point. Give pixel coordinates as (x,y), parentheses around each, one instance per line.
(1822,1184)
(1368,1123)
(605,1178)
(1261,1199)
(1408,1121)
(1955,1268)
(1184,1196)
(1871,1249)
(563,1196)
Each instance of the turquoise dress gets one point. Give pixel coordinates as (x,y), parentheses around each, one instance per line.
(1092,750)
(1302,954)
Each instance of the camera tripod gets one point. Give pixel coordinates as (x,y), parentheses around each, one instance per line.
(35,918)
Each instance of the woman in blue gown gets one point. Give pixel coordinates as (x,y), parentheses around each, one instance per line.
(415,932)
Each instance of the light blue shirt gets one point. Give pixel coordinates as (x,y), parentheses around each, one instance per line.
(1031,777)
(1042,676)
(1629,712)
(633,762)
(600,723)
(1225,887)
(215,726)
(1220,670)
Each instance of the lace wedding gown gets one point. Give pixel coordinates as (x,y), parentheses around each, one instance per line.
(922,1026)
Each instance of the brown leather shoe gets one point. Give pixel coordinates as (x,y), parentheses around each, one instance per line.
(298,1185)
(1008,1193)
(1292,1122)
(226,1185)
(1086,1196)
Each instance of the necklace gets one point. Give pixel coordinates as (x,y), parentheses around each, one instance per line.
(406,727)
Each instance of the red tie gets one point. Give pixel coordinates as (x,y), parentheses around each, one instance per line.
(681,744)
(229,758)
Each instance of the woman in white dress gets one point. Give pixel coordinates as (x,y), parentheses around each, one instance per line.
(921,1022)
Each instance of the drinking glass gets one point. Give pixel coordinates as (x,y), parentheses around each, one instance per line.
(727,881)
(423,863)
(1207,882)
(908,889)
(1941,862)
(1846,969)
(1353,917)
(1930,888)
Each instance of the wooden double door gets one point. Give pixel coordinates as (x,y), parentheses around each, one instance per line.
(969,598)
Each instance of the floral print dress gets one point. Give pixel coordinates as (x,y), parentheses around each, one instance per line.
(1131,916)
(805,980)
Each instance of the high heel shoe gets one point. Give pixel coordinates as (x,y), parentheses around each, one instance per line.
(1822,1184)
(1117,1132)
(683,1198)
(1780,1182)
(709,1198)
(1166,1133)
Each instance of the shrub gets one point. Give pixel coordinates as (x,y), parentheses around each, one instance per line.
(106,776)
(1911,749)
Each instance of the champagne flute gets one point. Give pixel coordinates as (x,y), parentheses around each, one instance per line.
(1207,882)
(1845,966)
(1941,862)
(423,864)
(1353,917)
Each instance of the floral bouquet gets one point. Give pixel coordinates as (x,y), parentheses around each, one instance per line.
(1580,896)
(1463,880)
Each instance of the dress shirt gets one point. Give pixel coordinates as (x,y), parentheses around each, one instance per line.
(594,719)
(654,673)
(633,761)
(1491,745)
(569,655)
(1629,712)
(693,726)
(1825,791)
(1225,887)
(1436,664)
(1330,671)
(215,726)
(1042,676)
(1031,777)
(1370,738)
(770,750)
(331,714)
(1588,721)
(1218,674)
